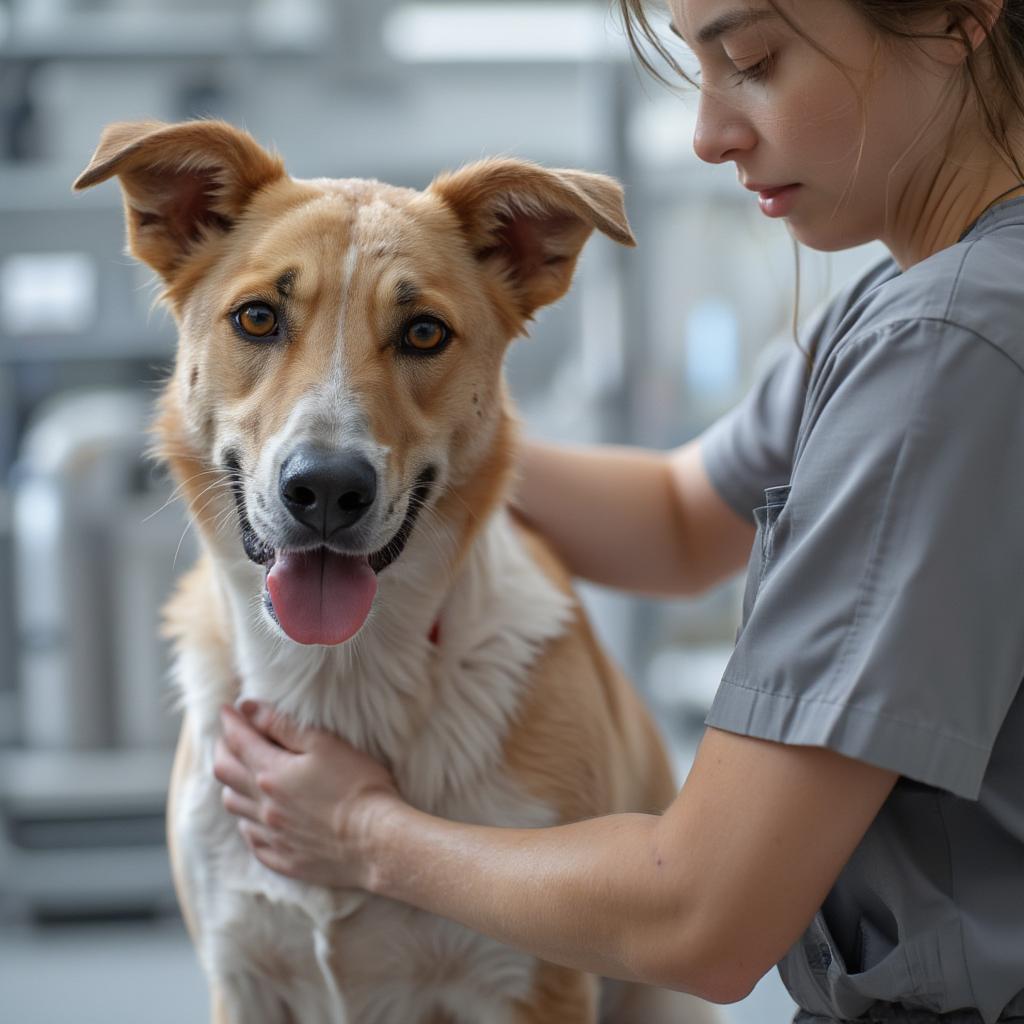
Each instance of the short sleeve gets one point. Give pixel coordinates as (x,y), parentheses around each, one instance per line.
(751,446)
(888,617)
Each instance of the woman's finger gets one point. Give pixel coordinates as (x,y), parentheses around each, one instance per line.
(247,744)
(240,806)
(258,836)
(271,853)
(229,771)
(277,726)
(280,863)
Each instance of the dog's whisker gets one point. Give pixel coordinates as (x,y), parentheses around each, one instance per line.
(428,528)
(176,493)
(446,489)
(195,515)
(195,510)
(223,485)
(181,540)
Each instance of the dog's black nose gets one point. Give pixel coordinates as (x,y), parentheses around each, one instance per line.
(327,490)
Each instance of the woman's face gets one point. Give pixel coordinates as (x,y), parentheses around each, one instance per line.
(844,140)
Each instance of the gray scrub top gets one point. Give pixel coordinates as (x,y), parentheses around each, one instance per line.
(884,615)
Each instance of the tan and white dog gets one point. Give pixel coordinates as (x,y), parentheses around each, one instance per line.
(338,422)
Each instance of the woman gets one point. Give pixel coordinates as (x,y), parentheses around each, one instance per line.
(855,813)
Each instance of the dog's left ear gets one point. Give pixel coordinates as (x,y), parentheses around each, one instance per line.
(183,183)
(532,222)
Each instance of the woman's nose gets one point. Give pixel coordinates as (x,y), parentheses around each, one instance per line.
(722,133)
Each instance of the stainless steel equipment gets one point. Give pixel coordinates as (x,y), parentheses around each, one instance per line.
(82,796)
(88,581)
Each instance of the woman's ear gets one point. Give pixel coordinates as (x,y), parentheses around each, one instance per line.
(530,223)
(182,183)
(974,28)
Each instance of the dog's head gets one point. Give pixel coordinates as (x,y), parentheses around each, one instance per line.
(340,345)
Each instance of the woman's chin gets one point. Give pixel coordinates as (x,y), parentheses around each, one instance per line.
(828,232)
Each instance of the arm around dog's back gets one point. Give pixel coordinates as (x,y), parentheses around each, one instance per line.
(640,520)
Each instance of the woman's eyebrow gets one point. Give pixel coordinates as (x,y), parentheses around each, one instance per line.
(731,21)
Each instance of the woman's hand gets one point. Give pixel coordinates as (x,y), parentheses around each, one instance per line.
(303,796)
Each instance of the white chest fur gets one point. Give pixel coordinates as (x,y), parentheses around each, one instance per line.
(436,713)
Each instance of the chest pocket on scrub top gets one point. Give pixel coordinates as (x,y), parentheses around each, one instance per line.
(766,516)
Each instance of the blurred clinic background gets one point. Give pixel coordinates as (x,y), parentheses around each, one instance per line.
(649,347)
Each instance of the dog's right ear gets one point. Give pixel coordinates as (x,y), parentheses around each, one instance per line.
(182,183)
(529,223)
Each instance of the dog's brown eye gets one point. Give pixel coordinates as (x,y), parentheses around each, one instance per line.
(257,319)
(425,334)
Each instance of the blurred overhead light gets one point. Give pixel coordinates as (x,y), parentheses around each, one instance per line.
(515,32)
(48,291)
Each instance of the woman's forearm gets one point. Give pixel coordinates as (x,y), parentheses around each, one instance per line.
(610,512)
(591,895)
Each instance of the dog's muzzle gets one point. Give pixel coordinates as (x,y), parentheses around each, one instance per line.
(321,591)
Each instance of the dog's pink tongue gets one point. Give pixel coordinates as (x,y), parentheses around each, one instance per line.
(320,597)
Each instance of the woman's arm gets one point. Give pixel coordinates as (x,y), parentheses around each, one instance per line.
(626,517)
(705,899)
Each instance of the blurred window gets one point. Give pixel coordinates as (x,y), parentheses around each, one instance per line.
(419,32)
(48,292)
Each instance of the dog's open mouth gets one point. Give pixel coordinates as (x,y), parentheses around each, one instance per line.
(319,595)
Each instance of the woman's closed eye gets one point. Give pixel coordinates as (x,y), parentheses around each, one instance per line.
(755,72)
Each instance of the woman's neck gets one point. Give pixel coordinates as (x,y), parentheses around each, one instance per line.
(937,208)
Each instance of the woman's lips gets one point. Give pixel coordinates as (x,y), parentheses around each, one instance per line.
(778,201)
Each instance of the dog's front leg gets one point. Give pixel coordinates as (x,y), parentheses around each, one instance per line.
(194,818)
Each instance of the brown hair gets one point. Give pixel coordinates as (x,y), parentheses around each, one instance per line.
(893,20)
